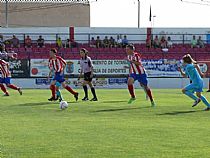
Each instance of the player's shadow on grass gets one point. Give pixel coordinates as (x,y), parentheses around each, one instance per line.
(43,103)
(36,104)
(119,109)
(114,101)
(178,112)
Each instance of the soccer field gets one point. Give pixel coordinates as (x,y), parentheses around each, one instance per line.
(32,127)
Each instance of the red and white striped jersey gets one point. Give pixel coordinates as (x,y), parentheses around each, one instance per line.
(136,69)
(4,68)
(57,64)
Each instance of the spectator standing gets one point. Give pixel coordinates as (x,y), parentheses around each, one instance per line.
(106,42)
(193,42)
(119,41)
(200,42)
(156,43)
(124,41)
(15,43)
(40,42)
(111,42)
(67,43)
(28,42)
(93,43)
(169,42)
(98,42)
(163,42)
(59,42)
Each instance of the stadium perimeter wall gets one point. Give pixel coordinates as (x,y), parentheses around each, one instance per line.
(155,83)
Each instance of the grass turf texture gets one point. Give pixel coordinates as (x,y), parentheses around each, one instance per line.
(110,128)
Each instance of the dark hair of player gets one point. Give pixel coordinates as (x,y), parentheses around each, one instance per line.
(84,51)
(188,59)
(54,50)
(130,46)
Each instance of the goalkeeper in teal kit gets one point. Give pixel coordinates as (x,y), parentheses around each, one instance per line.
(192,70)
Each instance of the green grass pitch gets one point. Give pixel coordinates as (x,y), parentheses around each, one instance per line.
(32,127)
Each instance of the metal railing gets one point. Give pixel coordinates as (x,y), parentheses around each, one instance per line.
(86,37)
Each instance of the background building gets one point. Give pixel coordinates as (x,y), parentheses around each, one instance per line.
(51,14)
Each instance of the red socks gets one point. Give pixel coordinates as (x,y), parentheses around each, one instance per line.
(3,89)
(131,91)
(52,88)
(70,90)
(12,86)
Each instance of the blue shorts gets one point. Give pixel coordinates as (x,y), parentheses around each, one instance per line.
(5,80)
(57,84)
(59,77)
(194,87)
(142,78)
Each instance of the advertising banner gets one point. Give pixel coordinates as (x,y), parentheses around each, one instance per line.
(101,67)
(19,68)
(97,82)
(39,68)
(205,67)
(154,68)
(162,68)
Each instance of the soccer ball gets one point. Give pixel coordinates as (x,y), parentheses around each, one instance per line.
(63,105)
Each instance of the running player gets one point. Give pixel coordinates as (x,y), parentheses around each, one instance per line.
(128,67)
(87,68)
(6,77)
(3,88)
(192,70)
(137,72)
(57,65)
(5,56)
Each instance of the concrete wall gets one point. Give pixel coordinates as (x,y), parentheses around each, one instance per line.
(46,14)
(155,83)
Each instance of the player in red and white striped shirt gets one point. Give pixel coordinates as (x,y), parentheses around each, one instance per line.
(3,88)
(6,77)
(57,65)
(137,72)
